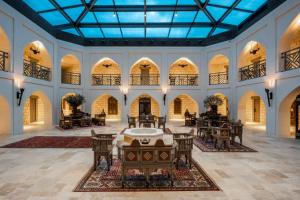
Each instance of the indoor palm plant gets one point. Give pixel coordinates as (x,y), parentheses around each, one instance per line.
(213,102)
(74,101)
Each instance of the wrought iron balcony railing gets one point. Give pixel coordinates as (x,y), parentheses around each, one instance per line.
(34,70)
(3,60)
(137,79)
(183,79)
(255,70)
(71,78)
(290,59)
(106,79)
(218,78)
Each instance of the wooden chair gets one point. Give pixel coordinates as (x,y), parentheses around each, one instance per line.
(221,137)
(100,119)
(131,121)
(237,131)
(102,146)
(65,122)
(162,122)
(201,128)
(184,147)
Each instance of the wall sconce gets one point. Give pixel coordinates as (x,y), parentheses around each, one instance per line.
(124,90)
(20,91)
(164,91)
(269,85)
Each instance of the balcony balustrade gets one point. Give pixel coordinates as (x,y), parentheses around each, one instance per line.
(183,79)
(255,70)
(218,78)
(106,79)
(3,60)
(71,78)
(290,60)
(137,79)
(34,70)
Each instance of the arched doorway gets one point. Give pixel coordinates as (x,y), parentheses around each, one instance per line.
(5,116)
(37,61)
(252,110)
(180,104)
(289,46)
(144,104)
(144,72)
(106,72)
(224,108)
(218,70)
(252,61)
(37,112)
(110,105)
(4,51)
(70,70)
(183,72)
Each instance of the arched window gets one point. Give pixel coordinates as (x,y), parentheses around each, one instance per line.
(112,106)
(177,106)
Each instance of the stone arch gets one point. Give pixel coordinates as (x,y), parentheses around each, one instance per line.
(5,117)
(4,51)
(187,103)
(189,67)
(246,58)
(134,105)
(101,103)
(70,70)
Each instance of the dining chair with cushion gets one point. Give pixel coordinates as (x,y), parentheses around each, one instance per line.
(184,147)
(221,137)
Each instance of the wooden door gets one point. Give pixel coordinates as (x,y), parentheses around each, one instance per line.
(145,76)
(144,106)
(256,109)
(33,109)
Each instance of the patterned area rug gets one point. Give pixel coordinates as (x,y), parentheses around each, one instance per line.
(185,179)
(209,147)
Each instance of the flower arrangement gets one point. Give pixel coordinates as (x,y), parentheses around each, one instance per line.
(213,102)
(74,101)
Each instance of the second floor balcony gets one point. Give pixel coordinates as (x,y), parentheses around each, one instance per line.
(138,79)
(290,59)
(183,79)
(3,60)
(34,70)
(71,78)
(218,78)
(255,70)
(106,79)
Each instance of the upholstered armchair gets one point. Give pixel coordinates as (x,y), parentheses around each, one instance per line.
(221,137)
(65,122)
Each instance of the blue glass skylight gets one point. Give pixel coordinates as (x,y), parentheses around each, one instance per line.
(178,32)
(186,2)
(197,32)
(64,3)
(251,5)
(184,16)
(219,30)
(236,17)
(39,5)
(74,12)
(54,18)
(227,3)
(89,18)
(106,17)
(131,17)
(157,32)
(91,32)
(112,32)
(129,2)
(133,32)
(160,2)
(216,12)
(104,3)
(201,17)
(155,17)
(71,30)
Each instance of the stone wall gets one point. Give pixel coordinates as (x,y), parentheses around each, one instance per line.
(102,103)
(186,103)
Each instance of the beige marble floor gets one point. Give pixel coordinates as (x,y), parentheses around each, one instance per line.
(272,173)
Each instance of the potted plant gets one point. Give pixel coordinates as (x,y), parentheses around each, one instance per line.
(213,102)
(75,101)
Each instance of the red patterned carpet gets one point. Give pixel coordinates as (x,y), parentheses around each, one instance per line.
(52,142)
(185,179)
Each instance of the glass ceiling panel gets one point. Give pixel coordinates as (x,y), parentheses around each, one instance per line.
(157,32)
(129,2)
(74,12)
(64,3)
(251,5)
(112,32)
(155,17)
(201,17)
(133,32)
(54,18)
(186,2)
(160,2)
(39,5)
(184,16)
(219,30)
(91,32)
(227,3)
(71,30)
(236,17)
(104,3)
(106,17)
(216,12)
(131,17)
(197,32)
(178,32)
(89,18)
